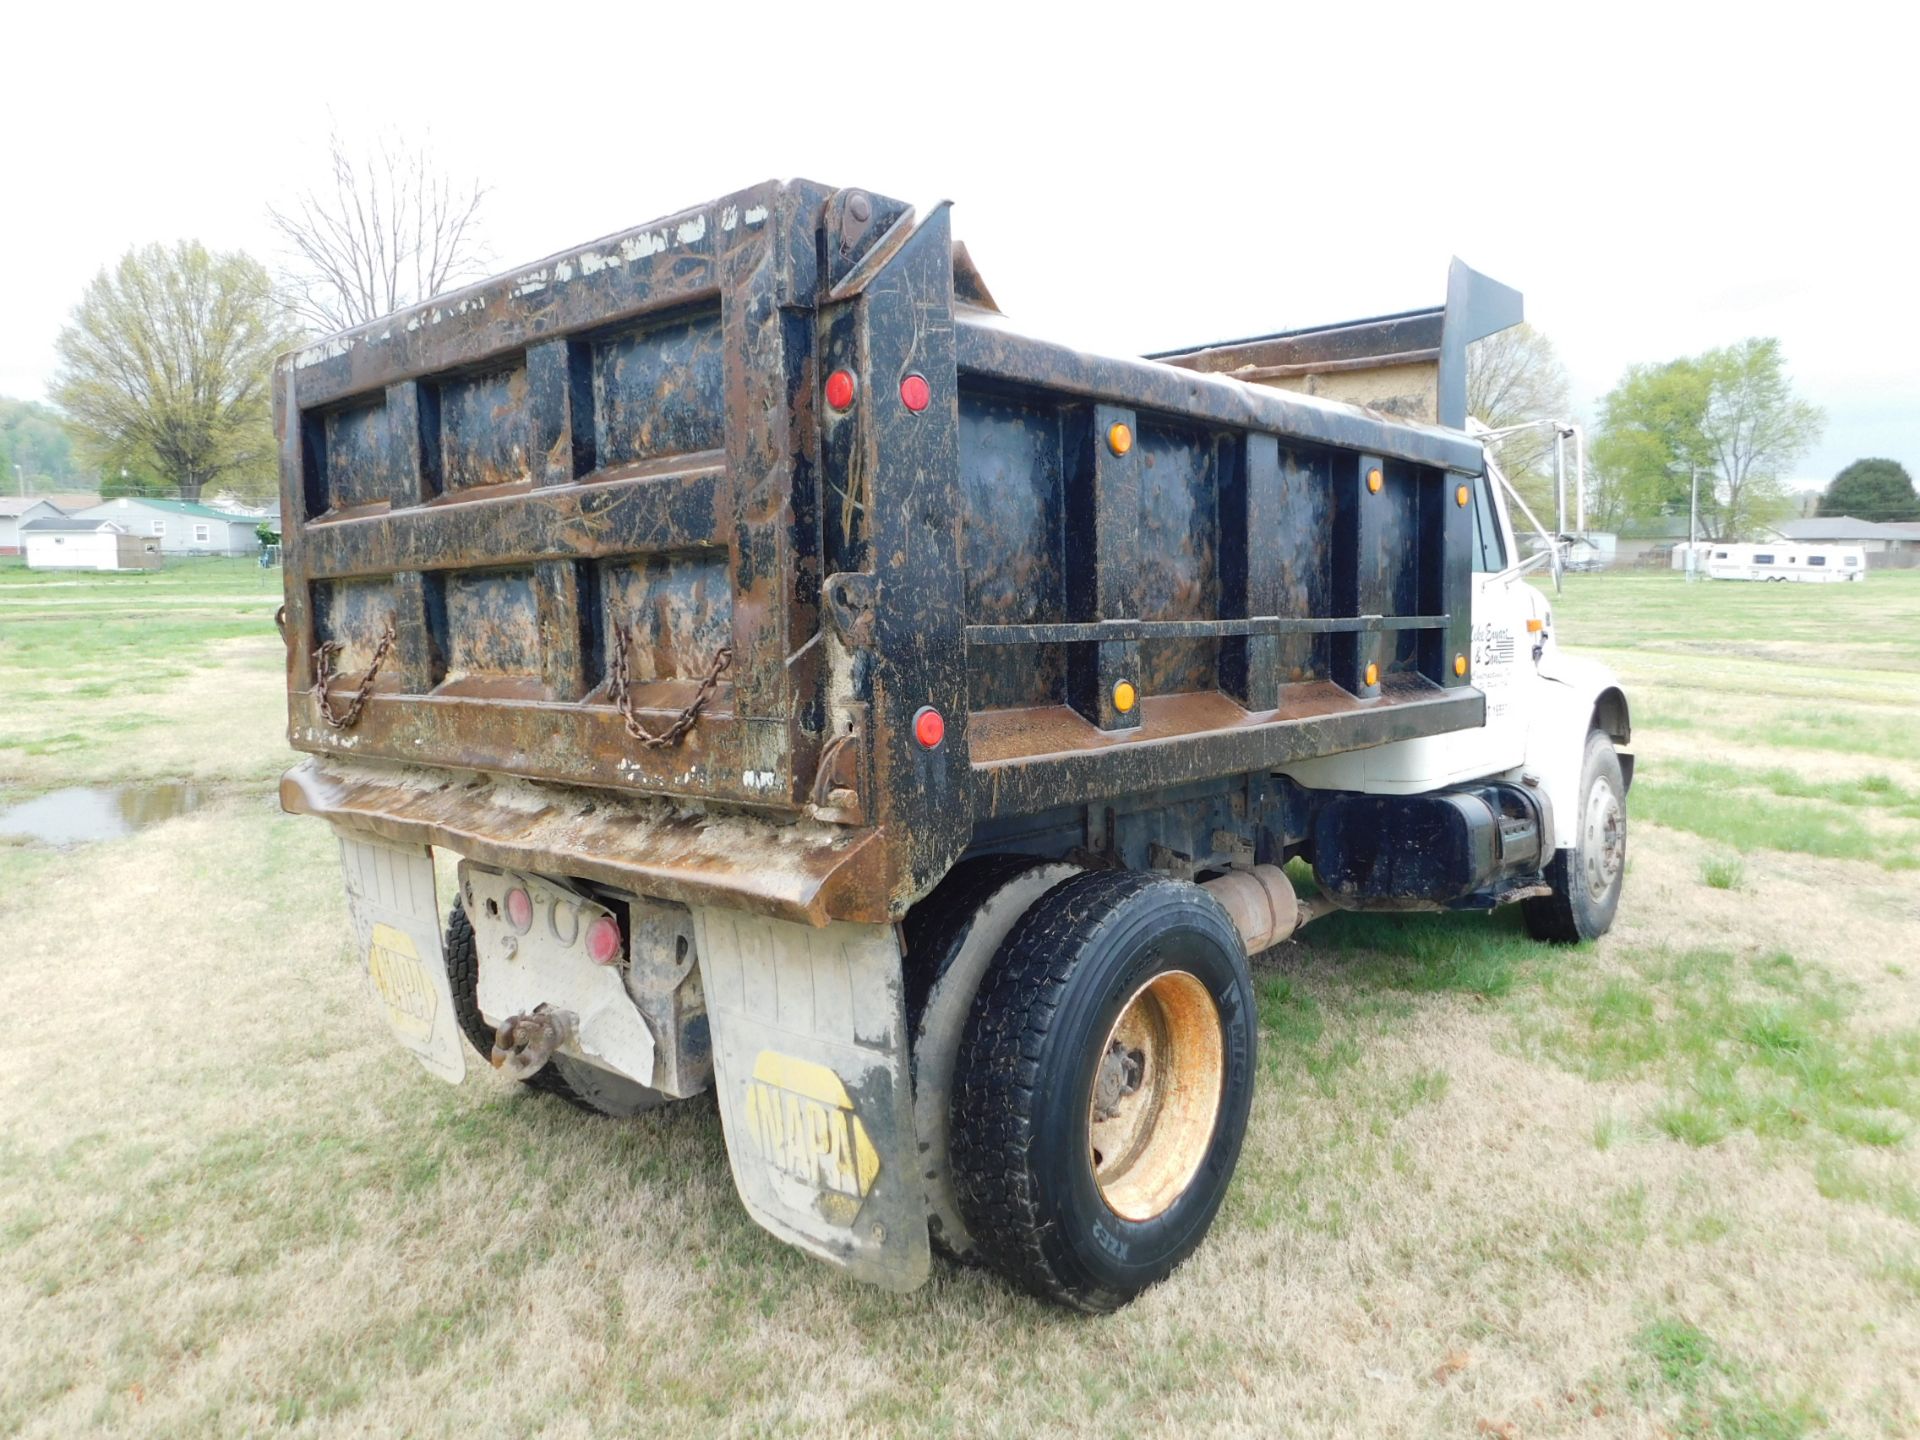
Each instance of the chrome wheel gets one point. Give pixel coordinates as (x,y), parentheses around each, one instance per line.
(1603,839)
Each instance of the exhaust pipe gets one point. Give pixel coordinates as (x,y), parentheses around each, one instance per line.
(1261,904)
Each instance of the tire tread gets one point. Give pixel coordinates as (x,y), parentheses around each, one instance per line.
(999,1065)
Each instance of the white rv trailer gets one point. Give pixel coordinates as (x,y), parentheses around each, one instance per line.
(1786,560)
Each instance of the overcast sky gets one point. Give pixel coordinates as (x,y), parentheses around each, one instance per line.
(1654,180)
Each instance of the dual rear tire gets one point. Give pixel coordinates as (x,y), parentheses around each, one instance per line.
(1101,1087)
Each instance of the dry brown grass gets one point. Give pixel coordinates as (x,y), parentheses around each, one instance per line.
(228,1205)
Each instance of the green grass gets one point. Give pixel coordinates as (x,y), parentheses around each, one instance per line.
(1723,872)
(228,1206)
(87,660)
(1719,1397)
(1822,625)
(1748,821)
(1765,1045)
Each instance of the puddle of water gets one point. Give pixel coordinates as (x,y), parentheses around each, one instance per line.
(84,813)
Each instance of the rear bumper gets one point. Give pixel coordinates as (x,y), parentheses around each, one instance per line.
(804,872)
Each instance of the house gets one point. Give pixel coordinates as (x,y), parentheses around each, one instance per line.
(72,542)
(261,512)
(181,526)
(1651,541)
(15,511)
(1884,543)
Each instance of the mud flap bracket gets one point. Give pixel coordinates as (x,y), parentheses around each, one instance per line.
(810,1059)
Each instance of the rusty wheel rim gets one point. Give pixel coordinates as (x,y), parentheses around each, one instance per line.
(1156,1095)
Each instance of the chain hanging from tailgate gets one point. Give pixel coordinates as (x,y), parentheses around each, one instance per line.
(619,685)
(324,675)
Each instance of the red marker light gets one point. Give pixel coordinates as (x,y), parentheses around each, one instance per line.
(840,390)
(519,908)
(915,393)
(603,941)
(928,728)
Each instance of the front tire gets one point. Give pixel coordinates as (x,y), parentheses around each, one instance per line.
(1588,876)
(1103,1085)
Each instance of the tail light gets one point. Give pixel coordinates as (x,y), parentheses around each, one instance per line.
(603,942)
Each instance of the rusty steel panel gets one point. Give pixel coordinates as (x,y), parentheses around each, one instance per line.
(1011,473)
(657,389)
(487,624)
(1178,554)
(637,514)
(676,610)
(483,429)
(807,872)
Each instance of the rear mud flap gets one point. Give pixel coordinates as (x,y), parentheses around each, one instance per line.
(810,1060)
(395,915)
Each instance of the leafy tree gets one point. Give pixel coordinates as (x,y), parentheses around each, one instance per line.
(166,366)
(1649,443)
(1755,427)
(1728,415)
(1513,377)
(133,479)
(1873,489)
(34,437)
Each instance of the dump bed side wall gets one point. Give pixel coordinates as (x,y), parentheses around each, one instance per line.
(1241,566)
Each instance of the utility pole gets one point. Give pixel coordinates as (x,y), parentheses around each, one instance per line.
(1693,518)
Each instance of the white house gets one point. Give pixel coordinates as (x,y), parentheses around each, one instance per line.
(181,527)
(15,511)
(70,542)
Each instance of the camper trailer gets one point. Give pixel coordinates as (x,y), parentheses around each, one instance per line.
(1786,560)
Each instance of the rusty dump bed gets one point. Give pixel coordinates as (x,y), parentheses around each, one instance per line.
(538,522)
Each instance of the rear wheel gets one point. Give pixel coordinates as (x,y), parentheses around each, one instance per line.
(1102,1088)
(1587,876)
(588,1086)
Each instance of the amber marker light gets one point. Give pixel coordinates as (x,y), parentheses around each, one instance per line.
(1373,480)
(1460,497)
(1535,625)
(1119,437)
(1373,674)
(1459,664)
(1124,695)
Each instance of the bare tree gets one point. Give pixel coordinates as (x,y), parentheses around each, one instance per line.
(393,229)
(1512,377)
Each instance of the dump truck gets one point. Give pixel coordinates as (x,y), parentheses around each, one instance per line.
(817,692)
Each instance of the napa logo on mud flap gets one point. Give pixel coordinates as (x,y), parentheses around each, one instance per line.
(805,1128)
(400,980)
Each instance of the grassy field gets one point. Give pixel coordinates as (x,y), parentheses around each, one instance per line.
(1662,1186)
